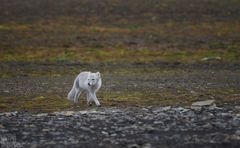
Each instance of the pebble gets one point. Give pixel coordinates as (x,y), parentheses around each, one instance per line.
(197,108)
(160,109)
(45,130)
(1,126)
(147,145)
(237,132)
(6,91)
(133,146)
(41,115)
(9,114)
(105,133)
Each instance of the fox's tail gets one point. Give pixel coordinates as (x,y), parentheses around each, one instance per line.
(72,93)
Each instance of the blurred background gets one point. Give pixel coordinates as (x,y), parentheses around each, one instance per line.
(117,30)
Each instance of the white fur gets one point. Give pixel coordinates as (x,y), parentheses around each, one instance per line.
(86,82)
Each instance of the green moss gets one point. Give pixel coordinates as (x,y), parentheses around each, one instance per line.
(92,55)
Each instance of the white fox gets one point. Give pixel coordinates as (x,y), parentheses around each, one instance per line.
(86,82)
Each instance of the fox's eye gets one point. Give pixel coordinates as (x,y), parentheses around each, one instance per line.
(93,79)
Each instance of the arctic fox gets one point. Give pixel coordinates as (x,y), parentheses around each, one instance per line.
(86,82)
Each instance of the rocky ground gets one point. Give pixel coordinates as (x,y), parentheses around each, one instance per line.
(124,127)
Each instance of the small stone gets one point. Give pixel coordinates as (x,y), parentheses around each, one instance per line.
(41,115)
(6,91)
(133,146)
(237,132)
(86,129)
(56,133)
(224,114)
(198,108)
(1,126)
(160,109)
(149,129)
(175,137)
(33,144)
(9,114)
(237,108)
(236,121)
(181,109)
(166,108)
(158,122)
(45,130)
(220,124)
(25,133)
(65,113)
(69,113)
(51,143)
(104,133)
(83,112)
(114,134)
(147,145)
(214,107)
(207,126)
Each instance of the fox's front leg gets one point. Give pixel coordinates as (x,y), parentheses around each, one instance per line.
(89,99)
(93,95)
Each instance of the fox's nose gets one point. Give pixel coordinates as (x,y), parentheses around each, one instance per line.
(89,84)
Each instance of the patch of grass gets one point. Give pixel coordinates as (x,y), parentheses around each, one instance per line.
(168,97)
(92,55)
(67,32)
(105,56)
(36,104)
(227,95)
(162,97)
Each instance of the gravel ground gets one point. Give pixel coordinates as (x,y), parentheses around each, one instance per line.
(49,79)
(123,127)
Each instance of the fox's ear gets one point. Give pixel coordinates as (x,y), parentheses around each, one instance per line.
(98,74)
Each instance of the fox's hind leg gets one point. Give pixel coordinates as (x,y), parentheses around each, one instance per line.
(77,94)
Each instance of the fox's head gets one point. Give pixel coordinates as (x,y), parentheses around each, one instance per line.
(93,78)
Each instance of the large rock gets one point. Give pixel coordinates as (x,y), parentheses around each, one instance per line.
(211,59)
(199,104)
(204,103)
